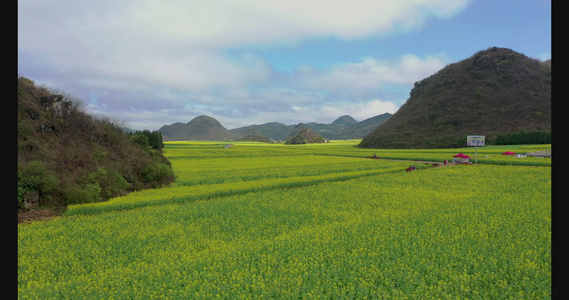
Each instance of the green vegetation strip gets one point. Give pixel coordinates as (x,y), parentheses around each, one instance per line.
(180,194)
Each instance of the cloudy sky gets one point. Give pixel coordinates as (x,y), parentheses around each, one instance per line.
(151,63)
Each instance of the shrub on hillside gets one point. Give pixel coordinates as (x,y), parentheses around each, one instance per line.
(35,181)
(146,138)
(76,194)
(110,182)
(157,174)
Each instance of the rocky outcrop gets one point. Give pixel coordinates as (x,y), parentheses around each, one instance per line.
(56,105)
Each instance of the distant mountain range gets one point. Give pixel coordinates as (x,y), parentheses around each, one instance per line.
(207,128)
(493,93)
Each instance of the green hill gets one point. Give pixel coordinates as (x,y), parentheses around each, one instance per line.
(66,156)
(200,128)
(332,130)
(344,121)
(272,130)
(495,92)
(360,129)
(303,135)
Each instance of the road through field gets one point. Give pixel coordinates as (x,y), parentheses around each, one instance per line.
(434,163)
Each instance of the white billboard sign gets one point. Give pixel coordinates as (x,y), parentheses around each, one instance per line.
(475,140)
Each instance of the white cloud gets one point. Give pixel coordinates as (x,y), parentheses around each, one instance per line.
(138,57)
(180,41)
(370,74)
(359,111)
(297,19)
(325,113)
(307,95)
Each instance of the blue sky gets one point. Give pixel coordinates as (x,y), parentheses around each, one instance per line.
(151,63)
(521,25)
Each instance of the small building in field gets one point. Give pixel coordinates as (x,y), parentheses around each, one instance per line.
(540,154)
(461,158)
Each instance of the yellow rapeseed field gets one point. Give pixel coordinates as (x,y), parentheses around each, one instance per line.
(302,222)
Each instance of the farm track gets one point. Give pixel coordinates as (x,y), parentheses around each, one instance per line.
(206,192)
(218,190)
(434,163)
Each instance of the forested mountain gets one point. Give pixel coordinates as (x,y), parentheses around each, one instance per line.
(272,130)
(495,92)
(360,129)
(200,128)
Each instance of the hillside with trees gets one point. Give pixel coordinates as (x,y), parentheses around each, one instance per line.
(361,129)
(333,129)
(303,135)
(66,156)
(200,128)
(273,130)
(496,92)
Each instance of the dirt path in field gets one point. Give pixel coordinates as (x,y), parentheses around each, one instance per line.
(411,161)
(37,214)
(434,163)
